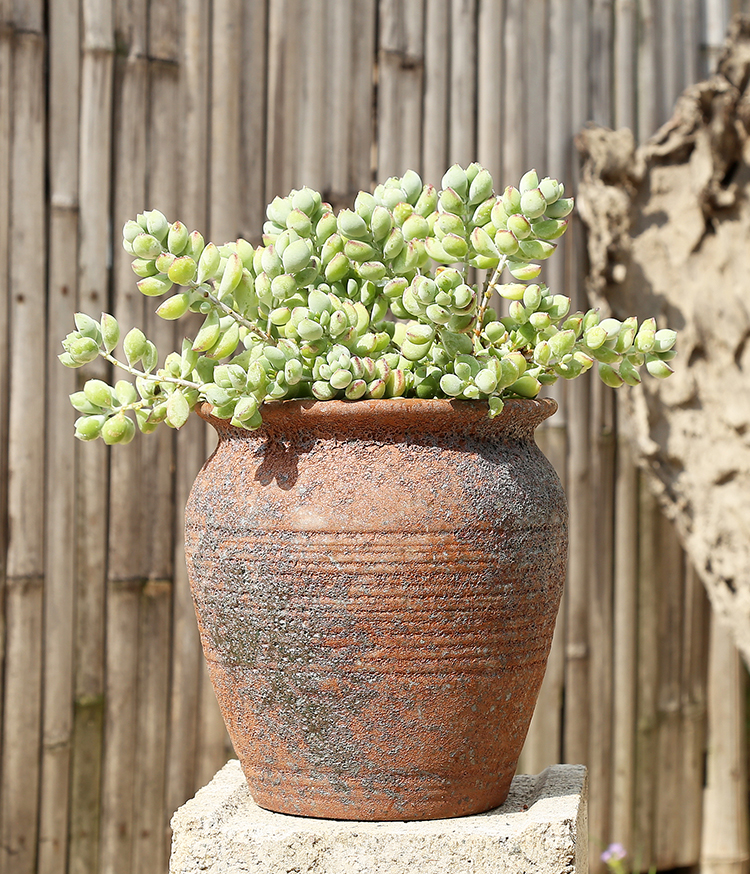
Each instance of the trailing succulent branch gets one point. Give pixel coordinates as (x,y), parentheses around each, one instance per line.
(374,302)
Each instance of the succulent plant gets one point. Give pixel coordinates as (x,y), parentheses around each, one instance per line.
(375,302)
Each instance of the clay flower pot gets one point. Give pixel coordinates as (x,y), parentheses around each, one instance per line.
(376,585)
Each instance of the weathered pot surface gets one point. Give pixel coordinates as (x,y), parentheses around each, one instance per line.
(376,585)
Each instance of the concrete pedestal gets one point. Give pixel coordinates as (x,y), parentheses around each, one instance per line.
(541,829)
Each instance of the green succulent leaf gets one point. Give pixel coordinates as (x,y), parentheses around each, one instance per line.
(134,345)
(118,429)
(82,350)
(110,332)
(89,427)
(88,327)
(178,409)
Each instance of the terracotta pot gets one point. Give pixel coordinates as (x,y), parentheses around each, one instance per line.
(376,585)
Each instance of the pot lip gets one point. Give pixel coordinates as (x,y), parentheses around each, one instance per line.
(521,415)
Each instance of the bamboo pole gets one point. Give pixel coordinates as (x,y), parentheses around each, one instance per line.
(557,153)
(580,38)
(24,16)
(625,632)
(691,43)
(361,159)
(557,156)
(6,105)
(715,23)
(339,95)
(164,30)
(60,565)
(544,743)
(648,73)
(311,107)
(205,738)
(88,725)
(462,128)
(349,99)
(560,129)
(253,120)
(150,819)
(157,453)
(552,134)
(600,53)
(163,184)
(514,139)
(194,111)
(283,96)
(98,20)
(23,672)
(626,510)
(725,815)
(601,630)
(400,85)
(226,194)
(226,209)
(577,654)
(601,582)
(694,716)
(120,751)
(669,775)
(437,91)
(85,796)
(624,63)
(26,449)
(669,60)
(490,127)
(644,839)
(186,656)
(534,84)
(125,567)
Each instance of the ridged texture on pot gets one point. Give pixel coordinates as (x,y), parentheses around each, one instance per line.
(376,585)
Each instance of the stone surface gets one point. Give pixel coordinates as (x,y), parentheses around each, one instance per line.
(668,229)
(541,829)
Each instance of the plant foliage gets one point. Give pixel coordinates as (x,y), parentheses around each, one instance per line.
(375,302)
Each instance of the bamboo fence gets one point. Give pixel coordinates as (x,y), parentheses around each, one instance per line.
(207,109)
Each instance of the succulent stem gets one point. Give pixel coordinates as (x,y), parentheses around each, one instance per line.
(174,380)
(487,292)
(227,310)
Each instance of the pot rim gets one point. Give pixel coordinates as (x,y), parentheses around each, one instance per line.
(520,416)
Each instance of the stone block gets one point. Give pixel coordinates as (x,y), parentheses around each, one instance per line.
(541,829)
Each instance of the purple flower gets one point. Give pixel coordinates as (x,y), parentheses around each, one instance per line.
(614,853)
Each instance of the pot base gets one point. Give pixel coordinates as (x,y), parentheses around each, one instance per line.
(413,804)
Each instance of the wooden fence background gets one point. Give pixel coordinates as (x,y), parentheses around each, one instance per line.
(207,109)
